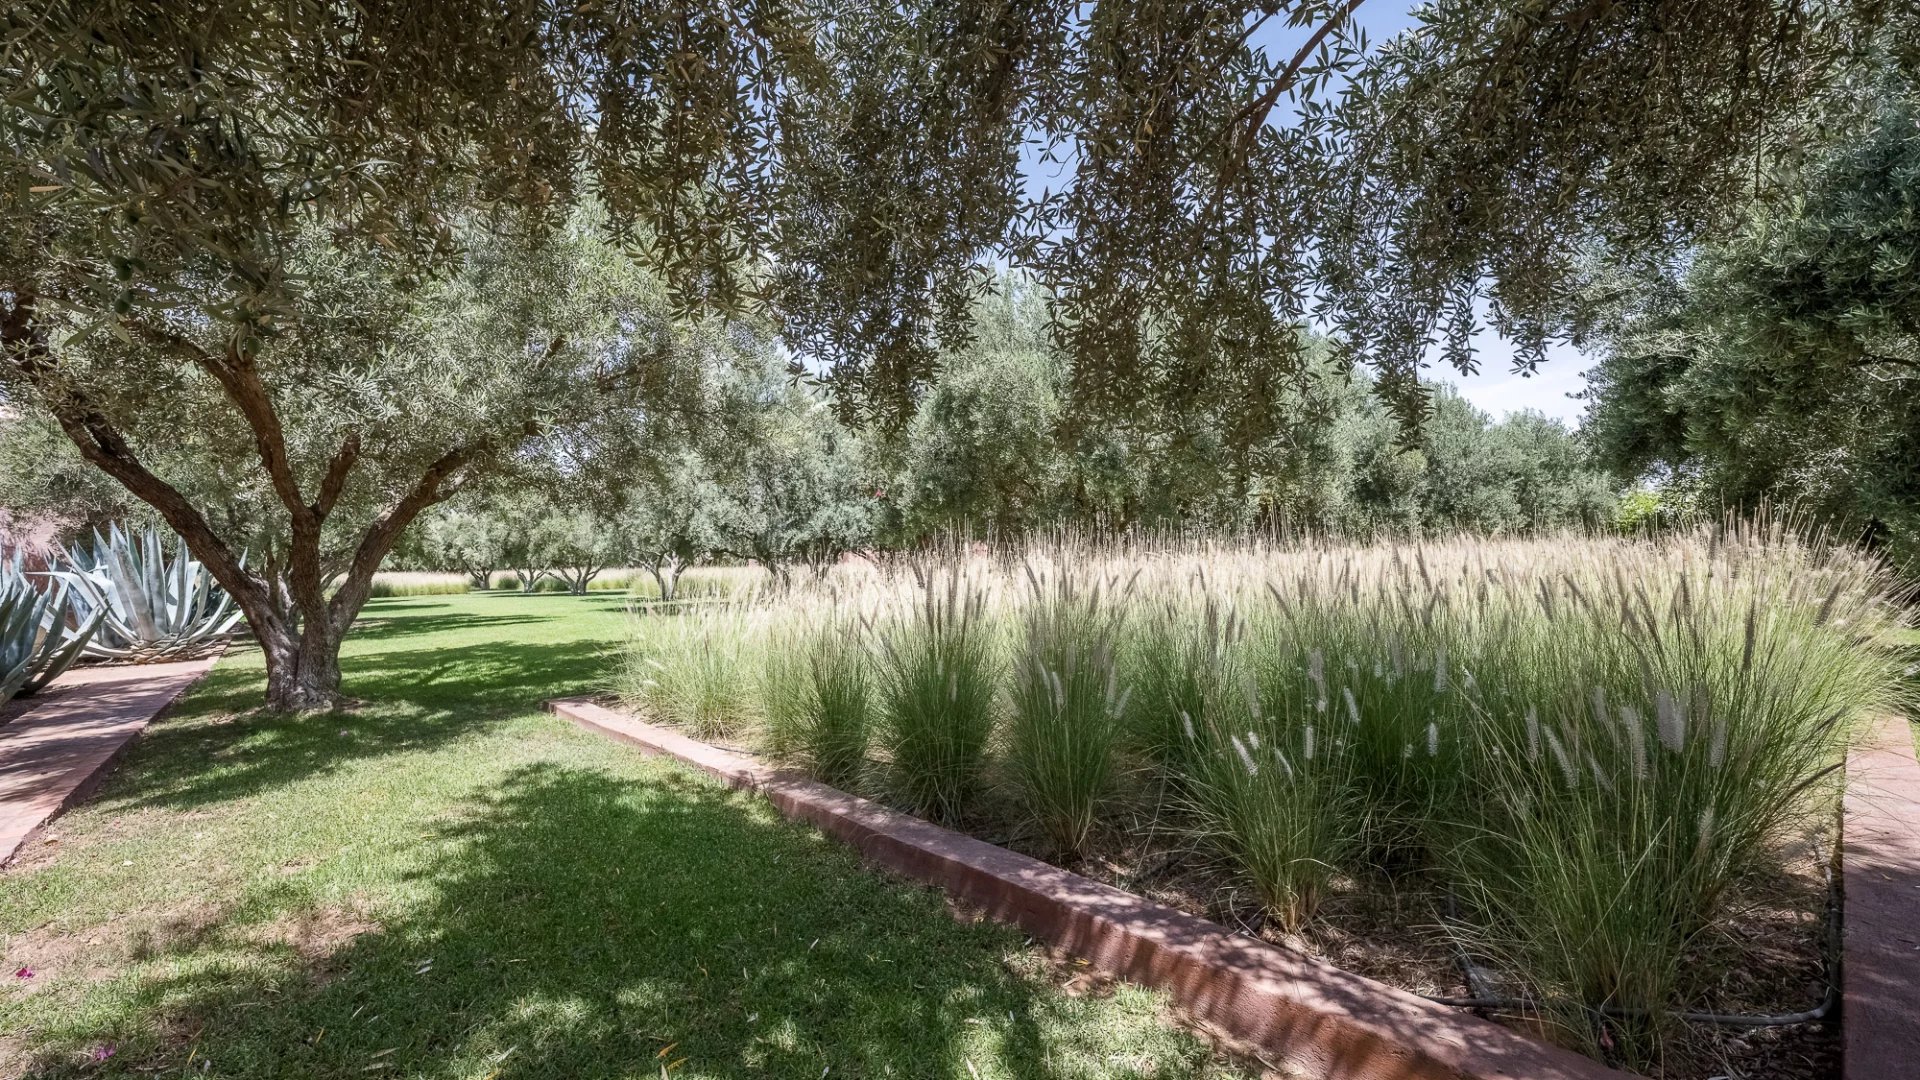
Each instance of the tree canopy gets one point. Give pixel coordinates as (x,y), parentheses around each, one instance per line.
(292,271)
(849,165)
(1783,362)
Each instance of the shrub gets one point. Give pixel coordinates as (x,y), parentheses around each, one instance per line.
(938,674)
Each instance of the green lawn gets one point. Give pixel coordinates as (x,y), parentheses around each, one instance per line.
(446,882)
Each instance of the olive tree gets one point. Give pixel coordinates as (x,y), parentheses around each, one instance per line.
(1783,362)
(466,539)
(674,516)
(292,457)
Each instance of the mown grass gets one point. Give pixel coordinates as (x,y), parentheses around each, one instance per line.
(444,882)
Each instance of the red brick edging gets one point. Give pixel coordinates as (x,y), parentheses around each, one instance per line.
(1308,1017)
(1880,884)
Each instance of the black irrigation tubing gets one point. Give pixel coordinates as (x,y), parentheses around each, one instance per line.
(1818,1012)
(1828,1000)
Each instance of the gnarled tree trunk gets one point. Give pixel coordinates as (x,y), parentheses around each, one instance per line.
(303,669)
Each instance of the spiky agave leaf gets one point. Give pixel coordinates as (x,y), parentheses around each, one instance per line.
(37,640)
(151,609)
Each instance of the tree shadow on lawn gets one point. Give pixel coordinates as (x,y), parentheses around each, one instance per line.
(407,616)
(387,626)
(581,924)
(222,745)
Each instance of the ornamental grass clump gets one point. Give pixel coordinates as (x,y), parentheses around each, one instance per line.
(1175,651)
(819,699)
(1272,782)
(938,675)
(1068,707)
(1684,711)
(1383,675)
(694,670)
(1278,800)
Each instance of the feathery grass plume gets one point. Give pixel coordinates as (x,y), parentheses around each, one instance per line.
(1067,705)
(939,671)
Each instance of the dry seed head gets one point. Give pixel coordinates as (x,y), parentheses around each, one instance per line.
(1253,694)
(1353,707)
(1562,759)
(1753,629)
(1670,722)
(1245,757)
(1826,606)
(1630,729)
(1600,775)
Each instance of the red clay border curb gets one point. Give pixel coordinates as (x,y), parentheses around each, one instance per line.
(1309,1017)
(1880,919)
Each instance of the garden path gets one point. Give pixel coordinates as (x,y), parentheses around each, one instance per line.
(55,750)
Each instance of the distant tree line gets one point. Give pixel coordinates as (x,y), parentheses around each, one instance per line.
(769,475)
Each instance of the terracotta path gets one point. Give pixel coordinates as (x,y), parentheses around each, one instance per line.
(1880,972)
(59,744)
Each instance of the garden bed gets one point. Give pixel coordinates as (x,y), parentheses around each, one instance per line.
(1587,786)
(1392,942)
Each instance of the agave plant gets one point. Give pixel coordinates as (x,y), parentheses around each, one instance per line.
(152,609)
(37,642)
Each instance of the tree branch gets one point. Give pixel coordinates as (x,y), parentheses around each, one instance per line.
(335,479)
(102,444)
(1256,113)
(436,484)
(240,378)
